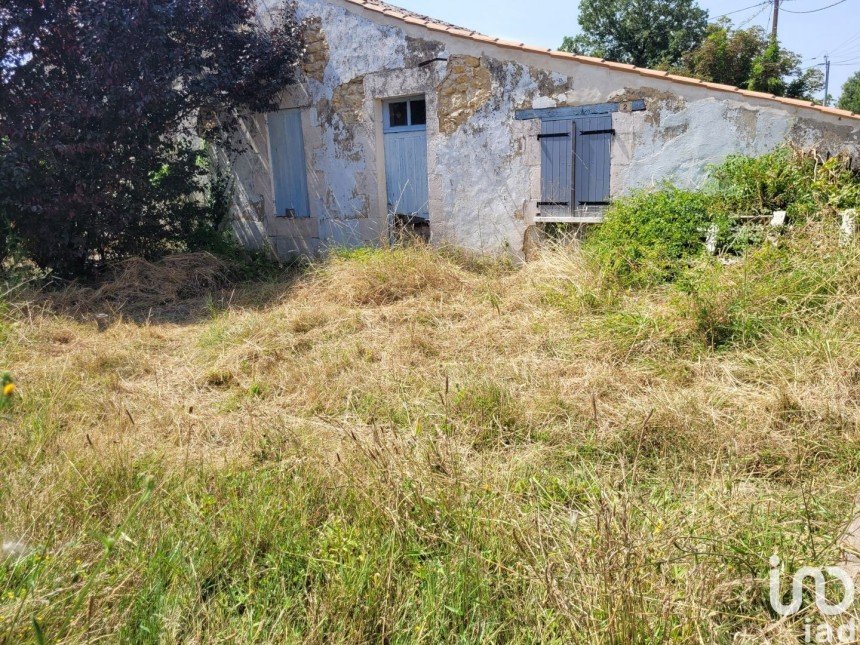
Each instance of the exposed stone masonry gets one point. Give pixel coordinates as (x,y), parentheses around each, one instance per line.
(316,50)
(465,89)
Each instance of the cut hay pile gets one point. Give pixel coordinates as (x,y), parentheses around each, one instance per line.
(166,281)
(367,278)
(137,285)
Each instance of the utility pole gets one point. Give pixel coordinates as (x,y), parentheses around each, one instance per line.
(826,80)
(774,33)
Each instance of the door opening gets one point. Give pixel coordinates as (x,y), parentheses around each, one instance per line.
(405,135)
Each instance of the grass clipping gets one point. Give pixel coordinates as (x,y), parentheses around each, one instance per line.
(139,285)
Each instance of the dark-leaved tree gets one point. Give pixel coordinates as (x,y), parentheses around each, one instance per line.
(99,100)
(647,33)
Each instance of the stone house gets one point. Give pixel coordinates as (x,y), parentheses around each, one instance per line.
(402,120)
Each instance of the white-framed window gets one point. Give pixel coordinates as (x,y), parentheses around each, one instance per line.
(404,115)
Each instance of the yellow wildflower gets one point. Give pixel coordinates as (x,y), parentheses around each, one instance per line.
(9,389)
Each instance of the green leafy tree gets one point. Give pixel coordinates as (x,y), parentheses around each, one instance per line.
(850,99)
(726,55)
(777,71)
(647,33)
(748,58)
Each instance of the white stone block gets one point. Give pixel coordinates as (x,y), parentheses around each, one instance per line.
(778,218)
(848,231)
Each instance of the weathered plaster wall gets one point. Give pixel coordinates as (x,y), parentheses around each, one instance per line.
(484,166)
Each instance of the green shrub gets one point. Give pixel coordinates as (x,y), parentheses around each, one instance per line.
(648,238)
(775,181)
(784,179)
(644,236)
(836,186)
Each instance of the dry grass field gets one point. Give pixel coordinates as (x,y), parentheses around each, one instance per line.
(413,445)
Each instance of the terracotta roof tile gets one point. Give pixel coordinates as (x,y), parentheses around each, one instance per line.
(463,33)
(438,25)
(484,39)
(730,88)
(757,95)
(515,44)
(536,50)
(644,71)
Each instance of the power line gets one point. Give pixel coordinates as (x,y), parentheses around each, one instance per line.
(849,40)
(850,53)
(755,6)
(847,51)
(752,18)
(830,6)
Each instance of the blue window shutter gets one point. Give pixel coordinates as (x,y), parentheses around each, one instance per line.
(289,170)
(556,145)
(592,166)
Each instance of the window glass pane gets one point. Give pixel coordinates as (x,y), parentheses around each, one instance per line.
(419,112)
(397,115)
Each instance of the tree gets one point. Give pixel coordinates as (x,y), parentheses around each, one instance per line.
(725,55)
(777,71)
(850,99)
(748,58)
(647,33)
(99,157)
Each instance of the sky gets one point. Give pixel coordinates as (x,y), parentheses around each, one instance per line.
(834,30)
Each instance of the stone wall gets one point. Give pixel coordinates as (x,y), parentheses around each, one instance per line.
(466,87)
(316,50)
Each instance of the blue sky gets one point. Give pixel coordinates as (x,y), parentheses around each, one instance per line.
(545,22)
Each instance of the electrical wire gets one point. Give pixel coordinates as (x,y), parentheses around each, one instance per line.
(752,18)
(830,6)
(849,41)
(755,6)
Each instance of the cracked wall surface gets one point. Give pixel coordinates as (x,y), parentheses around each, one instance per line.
(483,163)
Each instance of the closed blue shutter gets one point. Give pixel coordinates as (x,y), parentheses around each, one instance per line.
(289,171)
(591,175)
(556,147)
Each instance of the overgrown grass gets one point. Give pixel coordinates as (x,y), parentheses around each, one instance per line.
(408,446)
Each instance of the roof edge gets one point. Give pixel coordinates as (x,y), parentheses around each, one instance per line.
(475,36)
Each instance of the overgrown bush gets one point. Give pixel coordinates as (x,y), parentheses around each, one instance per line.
(771,182)
(645,235)
(648,238)
(785,179)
